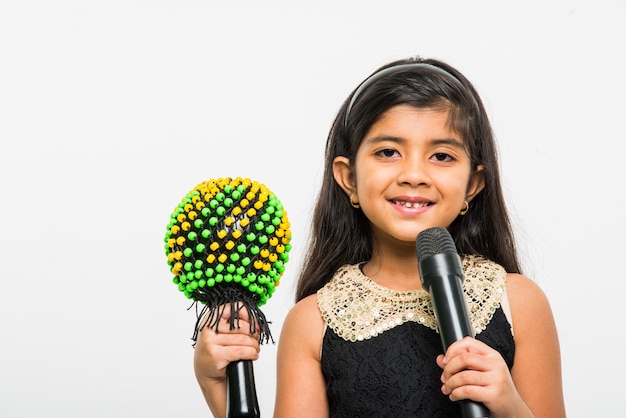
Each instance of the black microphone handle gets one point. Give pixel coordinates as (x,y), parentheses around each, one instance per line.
(241,401)
(442,275)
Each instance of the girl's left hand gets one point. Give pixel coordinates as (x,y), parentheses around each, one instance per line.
(473,370)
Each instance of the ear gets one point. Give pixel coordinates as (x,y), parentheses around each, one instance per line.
(344,175)
(476,183)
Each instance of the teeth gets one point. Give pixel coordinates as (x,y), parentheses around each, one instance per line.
(410,205)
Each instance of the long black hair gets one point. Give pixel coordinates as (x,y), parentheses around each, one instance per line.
(341,235)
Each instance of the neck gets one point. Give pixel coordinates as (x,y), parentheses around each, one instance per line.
(394,267)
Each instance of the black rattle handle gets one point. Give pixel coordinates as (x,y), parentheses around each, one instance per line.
(241,401)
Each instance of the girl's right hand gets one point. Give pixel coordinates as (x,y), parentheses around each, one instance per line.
(215,350)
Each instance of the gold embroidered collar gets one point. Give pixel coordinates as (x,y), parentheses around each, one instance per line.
(357,308)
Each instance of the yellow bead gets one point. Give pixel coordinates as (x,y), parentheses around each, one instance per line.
(251,212)
(258,264)
(181,217)
(221,234)
(244,222)
(210,258)
(273,241)
(258,205)
(192,215)
(214,246)
(237,233)
(229,245)
(175,229)
(186,226)
(180,240)
(229,221)
(222,258)
(273,257)
(237,211)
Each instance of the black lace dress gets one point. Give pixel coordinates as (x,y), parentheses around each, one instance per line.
(379,347)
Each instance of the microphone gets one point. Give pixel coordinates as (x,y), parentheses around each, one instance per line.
(442,276)
(227,244)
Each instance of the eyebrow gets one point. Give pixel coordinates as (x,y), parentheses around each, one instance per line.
(432,142)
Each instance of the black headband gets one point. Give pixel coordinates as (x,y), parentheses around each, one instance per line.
(392,70)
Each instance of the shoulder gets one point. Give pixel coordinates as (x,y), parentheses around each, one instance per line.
(525,296)
(304,326)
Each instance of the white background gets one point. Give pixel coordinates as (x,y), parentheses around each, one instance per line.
(111,111)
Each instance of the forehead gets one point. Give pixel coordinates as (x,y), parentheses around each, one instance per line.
(410,121)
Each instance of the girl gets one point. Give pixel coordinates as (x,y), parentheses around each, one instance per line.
(410,149)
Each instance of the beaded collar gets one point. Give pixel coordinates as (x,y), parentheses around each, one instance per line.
(357,308)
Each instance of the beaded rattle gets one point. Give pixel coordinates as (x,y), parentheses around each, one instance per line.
(227,244)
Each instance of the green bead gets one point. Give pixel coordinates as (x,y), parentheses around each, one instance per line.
(228,202)
(245,261)
(206,211)
(228,189)
(237,278)
(198,264)
(201,282)
(236,194)
(250,236)
(263,239)
(240,270)
(206,233)
(192,236)
(259,226)
(269,210)
(231,268)
(242,248)
(254,250)
(200,248)
(219,268)
(234,257)
(228,278)
(219,278)
(209,272)
(245,283)
(210,282)
(270,229)
(213,204)
(198,223)
(220,211)
(187,252)
(265,217)
(188,265)
(220,197)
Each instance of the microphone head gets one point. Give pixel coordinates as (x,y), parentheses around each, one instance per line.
(228,236)
(433,241)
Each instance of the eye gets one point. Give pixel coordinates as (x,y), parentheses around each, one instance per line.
(387,153)
(442,157)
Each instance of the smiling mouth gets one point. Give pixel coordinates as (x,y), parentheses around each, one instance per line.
(411,205)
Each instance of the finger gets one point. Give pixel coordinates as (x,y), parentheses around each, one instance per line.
(467,345)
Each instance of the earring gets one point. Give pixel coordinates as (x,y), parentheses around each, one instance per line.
(354,204)
(465,209)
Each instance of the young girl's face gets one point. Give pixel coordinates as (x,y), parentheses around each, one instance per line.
(411,172)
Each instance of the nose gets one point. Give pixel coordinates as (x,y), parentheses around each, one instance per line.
(413,172)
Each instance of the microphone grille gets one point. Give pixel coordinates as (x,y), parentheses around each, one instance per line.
(433,241)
